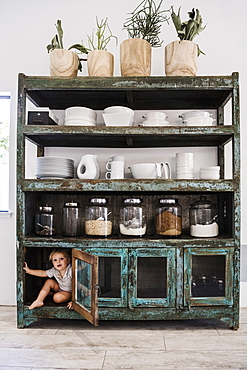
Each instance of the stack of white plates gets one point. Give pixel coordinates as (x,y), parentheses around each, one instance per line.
(210,173)
(54,168)
(80,116)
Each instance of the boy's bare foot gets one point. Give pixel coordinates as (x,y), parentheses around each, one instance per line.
(36,304)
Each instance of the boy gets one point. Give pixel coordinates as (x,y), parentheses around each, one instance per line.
(62,286)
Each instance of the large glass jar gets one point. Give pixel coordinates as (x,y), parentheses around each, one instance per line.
(45,221)
(71,219)
(168,220)
(132,218)
(203,219)
(98,218)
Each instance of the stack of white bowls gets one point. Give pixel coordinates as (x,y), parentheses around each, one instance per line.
(118,116)
(80,116)
(184,166)
(197,118)
(54,168)
(210,173)
(154,119)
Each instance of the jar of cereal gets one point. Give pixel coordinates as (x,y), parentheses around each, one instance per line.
(98,218)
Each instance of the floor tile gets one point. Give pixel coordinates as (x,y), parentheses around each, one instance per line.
(52,358)
(159,360)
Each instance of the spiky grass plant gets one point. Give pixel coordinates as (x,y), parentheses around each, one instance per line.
(145,22)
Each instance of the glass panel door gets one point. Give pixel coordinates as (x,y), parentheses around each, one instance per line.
(85,285)
(152,278)
(113,276)
(208,276)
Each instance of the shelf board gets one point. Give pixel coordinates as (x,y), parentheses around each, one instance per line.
(124,137)
(129,185)
(119,242)
(174,92)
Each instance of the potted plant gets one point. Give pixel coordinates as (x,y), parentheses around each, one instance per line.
(63,62)
(143,27)
(100,62)
(181,56)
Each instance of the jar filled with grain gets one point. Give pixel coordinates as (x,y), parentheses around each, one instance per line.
(168,218)
(132,218)
(71,219)
(98,218)
(45,221)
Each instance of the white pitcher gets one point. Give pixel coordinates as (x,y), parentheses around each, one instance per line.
(88,167)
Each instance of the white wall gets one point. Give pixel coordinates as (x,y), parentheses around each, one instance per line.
(26,28)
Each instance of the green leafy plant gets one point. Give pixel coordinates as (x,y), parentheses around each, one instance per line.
(145,22)
(57,41)
(4,144)
(98,40)
(189,29)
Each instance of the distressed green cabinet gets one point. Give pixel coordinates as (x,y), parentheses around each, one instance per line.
(119,278)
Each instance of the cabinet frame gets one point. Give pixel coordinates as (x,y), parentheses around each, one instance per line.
(201,92)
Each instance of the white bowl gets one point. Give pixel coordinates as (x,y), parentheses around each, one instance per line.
(118,109)
(155,116)
(210,168)
(199,121)
(154,122)
(118,119)
(80,111)
(144,170)
(191,114)
(209,175)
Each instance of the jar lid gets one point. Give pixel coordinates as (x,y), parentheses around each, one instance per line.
(170,200)
(98,200)
(45,208)
(133,201)
(202,203)
(71,204)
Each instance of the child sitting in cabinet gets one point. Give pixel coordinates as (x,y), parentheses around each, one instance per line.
(61,287)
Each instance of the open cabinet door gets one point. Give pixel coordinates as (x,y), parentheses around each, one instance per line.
(85,285)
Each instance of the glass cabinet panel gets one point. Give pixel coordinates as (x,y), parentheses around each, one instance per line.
(85,285)
(112,276)
(152,277)
(208,274)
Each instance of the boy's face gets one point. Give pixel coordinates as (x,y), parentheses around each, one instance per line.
(60,262)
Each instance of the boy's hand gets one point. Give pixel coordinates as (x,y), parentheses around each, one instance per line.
(26,268)
(69,305)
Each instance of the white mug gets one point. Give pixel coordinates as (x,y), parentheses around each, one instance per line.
(167,170)
(115,165)
(114,174)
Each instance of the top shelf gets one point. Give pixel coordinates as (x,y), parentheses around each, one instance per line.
(200,92)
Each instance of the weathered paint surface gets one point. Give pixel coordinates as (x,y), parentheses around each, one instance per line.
(201,92)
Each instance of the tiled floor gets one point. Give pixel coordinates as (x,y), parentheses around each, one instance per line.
(64,344)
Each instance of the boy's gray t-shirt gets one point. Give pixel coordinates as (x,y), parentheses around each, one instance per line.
(65,282)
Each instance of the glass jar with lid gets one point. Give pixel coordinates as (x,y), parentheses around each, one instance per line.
(168,218)
(98,218)
(71,219)
(45,221)
(203,218)
(132,218)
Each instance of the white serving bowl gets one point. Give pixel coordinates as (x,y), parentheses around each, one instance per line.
(155,116)
(199,121)
(118,119)
(80,111)
(118,109)
(144,170)
(154,122)
(191,114)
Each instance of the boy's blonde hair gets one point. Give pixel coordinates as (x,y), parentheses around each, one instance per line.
(62,251)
